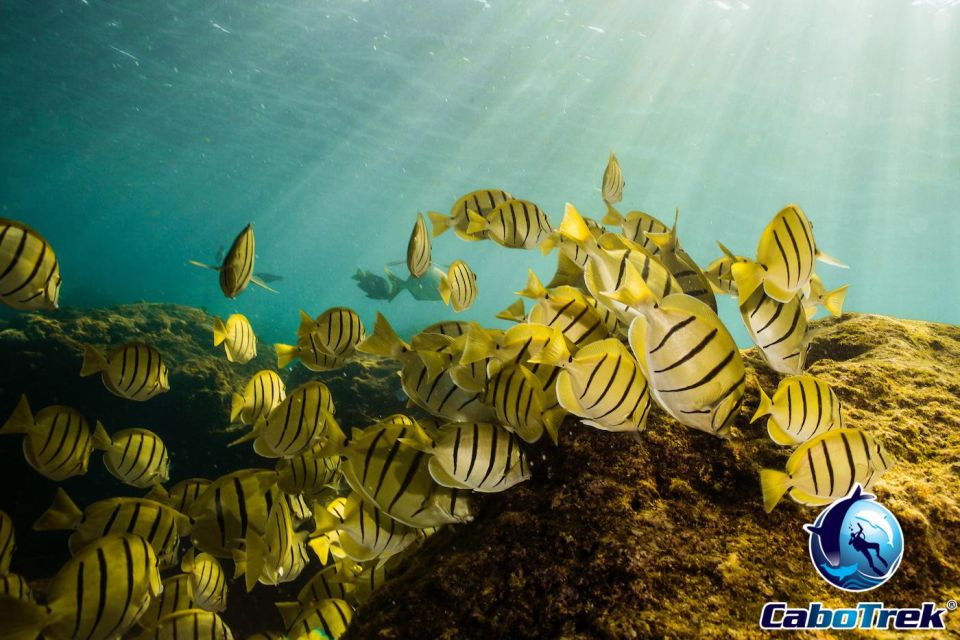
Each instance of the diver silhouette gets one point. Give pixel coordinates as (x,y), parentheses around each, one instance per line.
(859,542)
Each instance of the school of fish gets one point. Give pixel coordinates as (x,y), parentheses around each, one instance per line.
(627,325)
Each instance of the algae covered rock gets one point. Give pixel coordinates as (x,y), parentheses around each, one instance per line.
(666,536)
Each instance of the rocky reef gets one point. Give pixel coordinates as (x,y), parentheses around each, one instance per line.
(667,536)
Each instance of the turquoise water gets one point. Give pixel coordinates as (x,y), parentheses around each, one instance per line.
(138,135)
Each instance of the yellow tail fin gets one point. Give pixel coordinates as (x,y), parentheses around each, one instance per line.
(321,547)
(548,243)
(514,313)
(289,612)
(833,301)
(384,341)
(477,223)
(748,276)
(187,564)
(24,620)
(62,514)
(573,225)
(219,332)
(256,552)
(286,353)
(22,419)
(773,484)
(93,362)
(766,405)
(555,353)
(236,407)
(101,439)
(534,288)
(440,222)
(252,434)
(480,344)
(612,217)
(634,291)
(552,420)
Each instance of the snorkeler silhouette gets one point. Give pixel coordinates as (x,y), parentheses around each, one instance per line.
(859,542)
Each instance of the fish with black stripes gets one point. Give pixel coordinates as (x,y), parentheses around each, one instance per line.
(334,581)
(453,328)
(692,280)
(687,355)
(458,288)
(181,495)
(237,337)
(188,624)
(720,272)
(177,595)
(778,328)
(310,353)
(302,420)
(8,542)
(330,616)
(338,330)
(236,270)
(481,202)
(817,296)
(826,468)
(208,582)
(497,348)
(29,269)
(160,525)
(786,256)
(611,188)
(635,225)
(521,405)
(134,371)
(418,248)
(262,394)
(15,586)
(229,507)
(137,457)
(602,384)
(366,532)
(801,408)
(309,473)
(514,224)
(58,439)
(272,557)
(577,316)
(99,594)
(326,545)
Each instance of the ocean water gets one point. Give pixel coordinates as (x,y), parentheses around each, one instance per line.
(138,135)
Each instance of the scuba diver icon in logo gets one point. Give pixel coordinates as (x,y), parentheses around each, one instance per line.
(856,544)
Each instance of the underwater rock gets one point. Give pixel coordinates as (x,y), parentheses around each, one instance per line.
(667,536)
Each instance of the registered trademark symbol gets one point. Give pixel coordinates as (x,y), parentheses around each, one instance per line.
(952,605)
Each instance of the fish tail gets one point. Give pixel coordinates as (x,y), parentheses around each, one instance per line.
(726,251)
(22,419)
(384,341)
(189,559)
(203,266)
(612,217)
(286,353)
(250,435)
(440,222)
(321,547)
(101,439)
(289,611)
(773,484)
(573,225)
(534,288)
(549,242)
(479,345)
(325,523)
(237,403)
(219,332)
(256,551)
(552,420)
(24,620)
(477,222)
(748,276)
(93,362)
(336,439)
(555,353)
(514,313)
(62,514)
(833,301)
(764,409)
(306,324)
(634,291)
(444,289)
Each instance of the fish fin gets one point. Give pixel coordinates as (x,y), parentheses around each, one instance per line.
(612,216)
(289,612)
(188,561)
(444,479)
(256,551)
(552,419)
(748,276)
(548,243)
(440,222)
(555,353)
(307,324)
(93,362)
(102,439)
(477,222)
(336,440)
(415,443)
(434,362)
(21,421)
(325,521)
(236,406)
(203,266)
(777,434)
(634,291)
(462,377)
(833,301)
(637,337)
(261,448)
(514,313)
(62,514)
(566,396)
(534,289)
(809,499)
(158,494)
(320,547)
(24,620)
(219,332)
(773,484)
(255,279)
(384,341)
(573,226)
(828,259)
(766,405)
(479,345)
(727,252)
(252,434)
(286,353)
(809,310)
(443,288)
(776,292)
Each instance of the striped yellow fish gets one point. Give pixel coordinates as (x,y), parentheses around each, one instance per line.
(366,532)
(568,309)
(16,586)
(779,329)
(310,352)
(454,328)
(335,581)
(303,419)
(515,224)
(308,473)
(261,395)
(515,393)
(327,544)
(208,582)
(512,346)
(480,202)
(825,468)
(329,617)
(237,337)
(688,356)
(134,371)
(262,556)
(801,408)
(29,269)
(612,185)
(602,384)
(236,271)
(188,624)
(338,330)
(418,249)
(230,506)
(439,395)
(692,280)
(818,295)
(98,594)
(479,456)
(158,524)
(300,511)
(785,258)
(181,495)
(58,440)
(8,542)
(177,595)
(720,272)
(137,457)
(635,226)
(458,288)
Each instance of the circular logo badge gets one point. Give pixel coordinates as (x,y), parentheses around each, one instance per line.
(856,544)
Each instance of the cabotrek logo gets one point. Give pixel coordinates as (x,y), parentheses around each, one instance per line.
(856,545)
